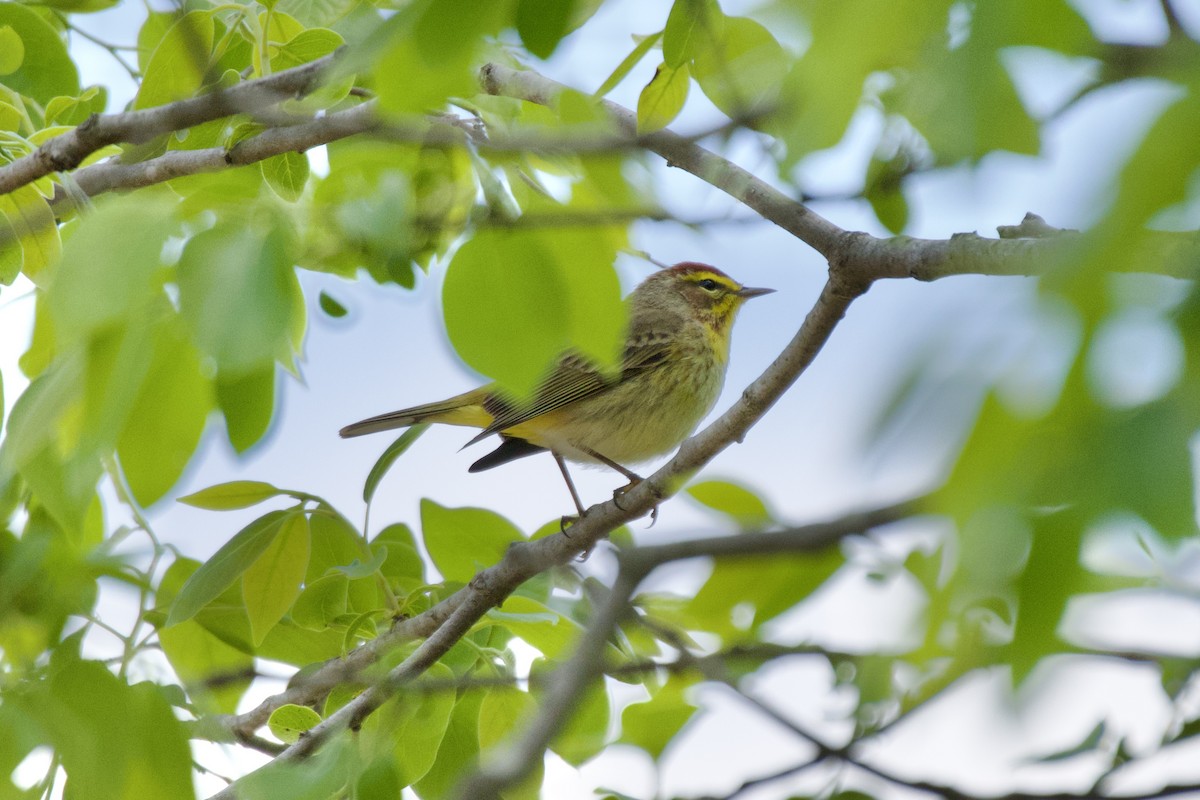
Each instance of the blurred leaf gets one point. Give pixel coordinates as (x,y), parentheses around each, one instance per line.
(654,724)
(12,50)
(389,457)
(114,740)
(632,60)
(693,26)
(247,403)
(434,44)
(316,13)
(585,733)
(46,71)
(1043,589)
(227,565)
(237,290)
(543,23)
(290,721)
(824,88)
(744,70)
(462,541)
(271,584)
(745,507)
(331,306)
(742,594)
(167,417)
(662,98)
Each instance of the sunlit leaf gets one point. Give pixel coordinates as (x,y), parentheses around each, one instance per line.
(227,565)
(290,721)
(662,99)
(272,582)
(462,541)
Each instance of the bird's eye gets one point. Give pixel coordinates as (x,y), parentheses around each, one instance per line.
(708,285)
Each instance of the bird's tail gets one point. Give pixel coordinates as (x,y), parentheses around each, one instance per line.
(464,409)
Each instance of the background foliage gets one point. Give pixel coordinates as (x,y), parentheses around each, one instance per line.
(177,307)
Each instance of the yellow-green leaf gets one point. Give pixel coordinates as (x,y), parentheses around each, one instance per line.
(231,495)
(272,583)
(289,721)
(662,99)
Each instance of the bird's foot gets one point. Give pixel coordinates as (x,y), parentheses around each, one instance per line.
(566,521)
(620,492)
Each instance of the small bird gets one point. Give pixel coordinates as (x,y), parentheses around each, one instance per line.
(671,373)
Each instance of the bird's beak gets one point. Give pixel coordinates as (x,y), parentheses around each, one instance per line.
(746,292)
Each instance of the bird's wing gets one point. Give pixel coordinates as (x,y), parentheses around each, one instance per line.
(573,379)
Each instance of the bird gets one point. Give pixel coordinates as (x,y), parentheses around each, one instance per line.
(671,372)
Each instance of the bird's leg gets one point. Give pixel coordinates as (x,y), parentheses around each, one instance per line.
(562,467)
(634,478)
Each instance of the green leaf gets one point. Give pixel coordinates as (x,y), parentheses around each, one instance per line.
(551,293)
(181,62)
(290,721)
(741,594)
(435,45)
(524,298)
(1051,576)
(271,584)
(247,402)
(403,561)
(12,50)
(29,217)
(652,725)
(461,541)
(693,26)
(227,565)
(286,173)
(207,666)
(824,88)
(46,71)
(456,754)
(322,602)
(315,13)
(543,23)
(742,74)
(167,417)
(231,495)
(114,740)
(632,60)
(364,569)
(662,99)
(585,733)
(305,46)
(106,279)
(541,627)
(238,291)
(389,457)
(331,306)
(501,715)
(744,506)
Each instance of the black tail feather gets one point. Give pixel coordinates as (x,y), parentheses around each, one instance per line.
(510,449)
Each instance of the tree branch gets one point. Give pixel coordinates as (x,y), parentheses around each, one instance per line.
(866,257)
(67,151)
